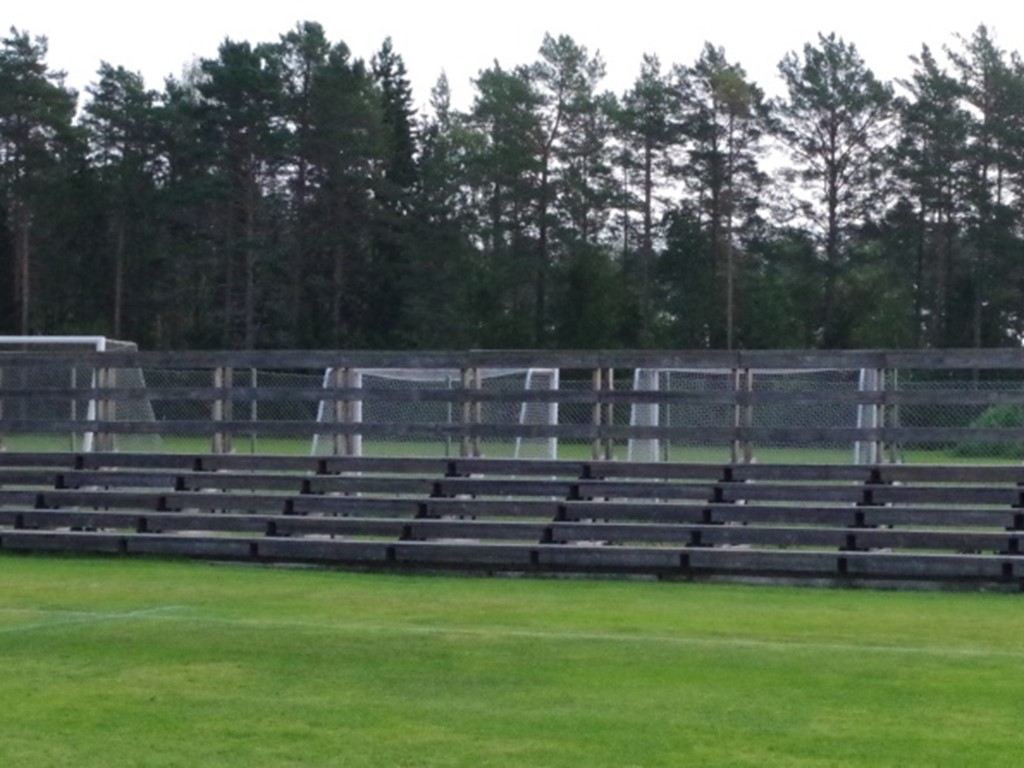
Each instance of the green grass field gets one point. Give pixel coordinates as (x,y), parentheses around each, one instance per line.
(497,449)
(154,663)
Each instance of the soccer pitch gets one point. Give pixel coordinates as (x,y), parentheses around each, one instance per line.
(146,662)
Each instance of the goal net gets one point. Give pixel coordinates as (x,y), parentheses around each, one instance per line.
(389,397)
(704,398)
(57,392)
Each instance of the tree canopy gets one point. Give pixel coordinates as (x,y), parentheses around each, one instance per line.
(288,193)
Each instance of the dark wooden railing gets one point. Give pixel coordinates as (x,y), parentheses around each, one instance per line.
(221,399)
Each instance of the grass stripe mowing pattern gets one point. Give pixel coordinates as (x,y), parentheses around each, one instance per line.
(143,662)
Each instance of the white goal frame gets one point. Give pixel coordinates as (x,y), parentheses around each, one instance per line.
(97,343)
(529,412)
(868,416)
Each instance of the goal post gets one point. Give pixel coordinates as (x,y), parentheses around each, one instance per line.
(24,395)
(407,408)
(693,410)
(539,413)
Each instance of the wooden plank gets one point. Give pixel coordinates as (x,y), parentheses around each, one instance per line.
(694,535)
(12,459)
(594,489)
(61,541)
(745,492)
(354,506)
(319,360)
(929,567)
(543,509)
(153,523)
(44,476)
(144,500)
(575,511)
(218,547)
(390,484)
(595,559)
(464,555)
(859,517)
(885,473)
(945,494)
(463,486)
(311,393)
(813,359)
(361,553)
(1011,474)
(759,536)
(762,562)
(956,359)
(421,530)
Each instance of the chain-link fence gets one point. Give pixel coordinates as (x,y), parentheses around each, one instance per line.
(959,400)
(389,397)
(703,402)
(795,413)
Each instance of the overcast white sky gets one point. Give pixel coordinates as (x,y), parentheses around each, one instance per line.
(464,36)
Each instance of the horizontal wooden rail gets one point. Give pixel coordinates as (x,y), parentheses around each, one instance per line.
(1007,359)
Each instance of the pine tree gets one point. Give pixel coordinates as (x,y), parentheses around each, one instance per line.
(35,135)
(241,112)
(993,93)
(343,157)
(835,122)
(395,249)
(648,134)
(723,123)
(930,159)
(119,121)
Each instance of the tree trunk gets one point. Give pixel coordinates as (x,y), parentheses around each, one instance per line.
(22,250)
(119,248)
(250,260)
(540,275)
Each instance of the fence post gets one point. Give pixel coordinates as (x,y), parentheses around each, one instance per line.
(890,415)
(595,448)
(741,449)
(609,415)
(872,416)
(471,413)
(340,443)
(221,408)
(478,411)
(354,440)
(104,440)
(2,446)
(254,409)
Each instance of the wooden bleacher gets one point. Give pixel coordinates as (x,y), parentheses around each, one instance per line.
(838,523)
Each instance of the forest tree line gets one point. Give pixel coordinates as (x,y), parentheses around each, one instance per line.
(290,194)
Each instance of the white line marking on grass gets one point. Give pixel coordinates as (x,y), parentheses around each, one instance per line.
(181,613)
(499,633)
(72,618)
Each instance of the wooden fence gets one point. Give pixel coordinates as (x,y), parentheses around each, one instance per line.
(40,396)
(843,522)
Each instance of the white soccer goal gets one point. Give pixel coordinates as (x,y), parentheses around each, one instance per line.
(539,413)
(693,410)
(380,409)
(90,406)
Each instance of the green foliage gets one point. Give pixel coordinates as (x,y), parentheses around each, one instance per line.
(1006,416)
(287,193)
(38,147)
(834,120)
